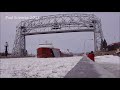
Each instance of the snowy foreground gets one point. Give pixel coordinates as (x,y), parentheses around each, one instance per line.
(51,67)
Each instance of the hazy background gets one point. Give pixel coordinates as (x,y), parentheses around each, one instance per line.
(72,41)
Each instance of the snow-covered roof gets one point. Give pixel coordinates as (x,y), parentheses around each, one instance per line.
(46,45)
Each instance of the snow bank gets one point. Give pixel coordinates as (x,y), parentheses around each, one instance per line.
(110,63)
(108,59)
(86,68)
(37,67)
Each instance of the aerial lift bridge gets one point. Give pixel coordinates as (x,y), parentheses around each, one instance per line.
(60,23)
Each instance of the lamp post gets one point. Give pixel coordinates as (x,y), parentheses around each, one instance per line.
(85,43)
(6,49)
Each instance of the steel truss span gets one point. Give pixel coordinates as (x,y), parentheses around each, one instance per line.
(60,23)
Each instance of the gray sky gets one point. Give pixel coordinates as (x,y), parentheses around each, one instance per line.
(72,41)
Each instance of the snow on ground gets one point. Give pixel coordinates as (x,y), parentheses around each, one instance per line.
(37,67)
(110,63)
(108,59)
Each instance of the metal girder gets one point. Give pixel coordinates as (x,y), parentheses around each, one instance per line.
(61,23)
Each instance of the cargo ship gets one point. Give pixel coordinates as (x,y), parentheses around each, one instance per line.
(47,50)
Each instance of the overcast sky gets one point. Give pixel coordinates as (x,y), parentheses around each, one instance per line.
(72,41)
